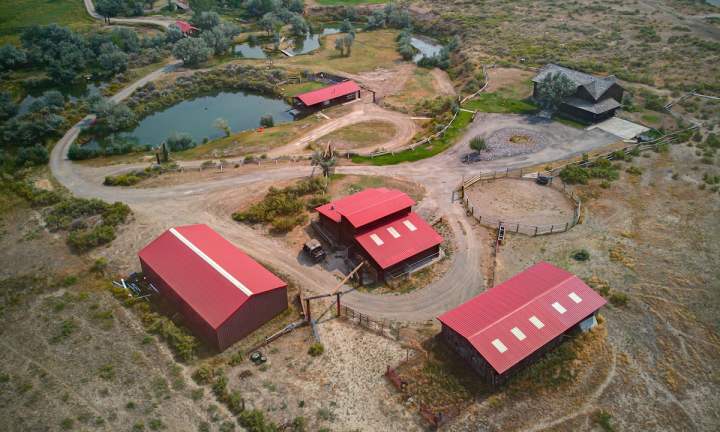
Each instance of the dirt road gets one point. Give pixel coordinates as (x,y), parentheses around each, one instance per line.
(211,202)
(362,111)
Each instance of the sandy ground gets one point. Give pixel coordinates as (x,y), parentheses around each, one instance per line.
(520,201)
(503,78)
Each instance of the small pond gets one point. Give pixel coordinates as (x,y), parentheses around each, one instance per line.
(425,47)
(242,110)
(249,51)
(311,42)
(71,92)
(714,2)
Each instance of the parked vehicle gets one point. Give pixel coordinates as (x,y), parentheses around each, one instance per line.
(315,250)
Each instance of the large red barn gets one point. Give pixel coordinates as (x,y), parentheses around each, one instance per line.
(509,326)
(379,225)
(222,293)
(332,94)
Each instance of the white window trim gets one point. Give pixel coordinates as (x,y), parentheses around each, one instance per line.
(518,333)
(536,322)
(558,307)
(376,238)
(574,297)
(497,343)
(409,225)
(393,232)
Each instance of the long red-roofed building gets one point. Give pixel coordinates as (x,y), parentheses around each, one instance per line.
(379,225)
(511,325)
(222,293)
(335,93)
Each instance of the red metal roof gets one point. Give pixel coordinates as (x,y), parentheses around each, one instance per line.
(542,296)
(185,26)
(328,93)
(398,240)
(208,272)
(367,206)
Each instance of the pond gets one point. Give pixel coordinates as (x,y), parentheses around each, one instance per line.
(242,110)
(425,47)
(71,92)
(311,42)
(247,50)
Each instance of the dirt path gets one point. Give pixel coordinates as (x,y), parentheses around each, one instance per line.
(443,84)
(157,21)
(362,111)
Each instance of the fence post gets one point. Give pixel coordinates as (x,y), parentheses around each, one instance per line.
(517,228)
(535,231)
(566,226)
(551,228)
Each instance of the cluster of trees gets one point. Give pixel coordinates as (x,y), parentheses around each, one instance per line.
(215,38)
(113,8)
(65,54)
(391,16)
(274,14)
(29,131)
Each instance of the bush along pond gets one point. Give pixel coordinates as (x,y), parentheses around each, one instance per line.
(190,111)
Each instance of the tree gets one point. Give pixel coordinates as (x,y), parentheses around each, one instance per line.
(376,20)
(32,156)
(344,44)
(126,39)
(112,59)
(267,121)
(11,57)
(217,40)
(191,51)
(178,142)
(206,20)
(346,26)
(325,160)
(222,124)
(51,101)
(173,34)
(107,8)
(112,116)
(8,107)
(297,6)
(68,62)
(298,26)
(269,23)
(258,8)
(552,90)
(478,144)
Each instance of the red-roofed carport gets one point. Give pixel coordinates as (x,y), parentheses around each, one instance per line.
(511,325)
(222,293)
(335,93)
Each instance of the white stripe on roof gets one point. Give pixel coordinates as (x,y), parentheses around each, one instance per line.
(518,333)
(393,232)
(558,307)
(574,297)
(409,225)
(497,343)
(536,322)
(212,263)
(378,241)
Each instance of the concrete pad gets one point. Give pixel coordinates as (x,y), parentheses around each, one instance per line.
(619,127)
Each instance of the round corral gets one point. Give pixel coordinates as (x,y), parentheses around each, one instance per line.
(520,201)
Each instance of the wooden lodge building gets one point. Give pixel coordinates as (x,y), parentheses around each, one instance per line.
(379,226)
(595,99)
(512,325)
(333,94)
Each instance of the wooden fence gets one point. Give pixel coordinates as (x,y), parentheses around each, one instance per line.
(383,327)
(516,227)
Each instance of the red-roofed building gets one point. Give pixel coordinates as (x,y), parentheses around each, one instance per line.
(379,226)
(511,325)
(332,94)
(222,293)
(186,27)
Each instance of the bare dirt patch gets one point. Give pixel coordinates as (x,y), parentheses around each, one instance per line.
(358,135)
(520,201)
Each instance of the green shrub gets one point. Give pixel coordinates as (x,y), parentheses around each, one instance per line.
(478,144)
(254,421)
(633,170)
(267,121)
(316,349)
(602,418)
(284,224)
(618,298)
(179,340)
(574,174)
(84,240)
(581,255)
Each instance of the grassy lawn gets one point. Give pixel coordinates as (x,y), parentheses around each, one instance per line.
(424,151)
(370,51)
(495,103)
(296,89)
(418,88)
(251,141)
(359,135)
(349,2)
(16,15)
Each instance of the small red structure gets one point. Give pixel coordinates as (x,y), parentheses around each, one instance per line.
(379,225)
(336,93)
(507,327)
(222,293)
(186,27)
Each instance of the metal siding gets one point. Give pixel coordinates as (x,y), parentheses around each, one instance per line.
(492,314)
(368,206)
(253,314)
